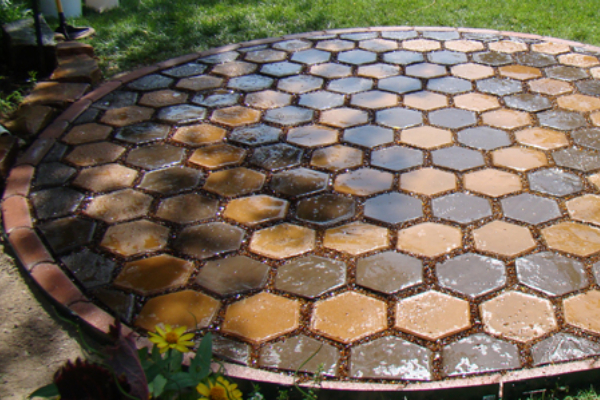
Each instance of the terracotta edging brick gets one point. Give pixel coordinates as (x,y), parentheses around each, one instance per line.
(57,283)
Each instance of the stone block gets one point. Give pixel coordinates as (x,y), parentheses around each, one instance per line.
(78,68)
(20,46)
(66,49)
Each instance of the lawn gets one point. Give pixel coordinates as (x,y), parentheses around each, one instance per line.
(144,31)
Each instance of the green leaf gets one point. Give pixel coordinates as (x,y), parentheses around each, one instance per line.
(158,385)
(50,390)
(200,365)
(151,372)
(175,359)
(181,380)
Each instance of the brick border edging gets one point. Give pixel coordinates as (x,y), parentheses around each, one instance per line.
(44,270)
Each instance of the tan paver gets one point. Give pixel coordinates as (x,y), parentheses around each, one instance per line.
(426,137)
(583,311)
(519,159)
(256,209)
(476,102)
(356,238)
(282,241)
(503,238)
(429,239)
(506,119)
(572,237)
(542,138)
(428,181)
(492,182)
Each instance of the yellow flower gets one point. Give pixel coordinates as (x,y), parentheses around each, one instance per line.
(170,338)
(221,389)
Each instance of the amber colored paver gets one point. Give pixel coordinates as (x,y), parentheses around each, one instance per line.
(428,181)
(429,239)
(235,116)
(585,208)
(550,48)
(519,159)
(95,153)
(200,134)
(542,138)
(356,238)
(119,206)
(507,119)
(503,238)
(518,316)
(578,60)
(154,274)
(472,71)
(464,45)
(549,86)
(349,316)
(282,241)
(253,318)
(595,180)
(476,102)
(421,45)
(507,46)
(363,182)
(234,182)
(426,137)
(87,133)
(256,209)
(335,158)
(186,308)
(583,311)
(425,100)
(163,98)
(432,315)
(218,156)
(579,102)
(138,237)
(572,237)
(492,182)
(595,117)
(106,177)
(127,115)
(343,117)
(520,72)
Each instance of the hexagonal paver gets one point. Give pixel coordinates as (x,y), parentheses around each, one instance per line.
(426,137)
(578,60)
(252,318)
(350,85)
(171,180)
(368,136)
(432,315)
(282,241)
(209,240)
(530,208)
(299,182)
(588,137)
(428,181)
(550,273)
(449,85)
(554,181)
(421,45)
(492,182)
(552,87)
(234,68)
(56,202)
(483,138)
(363,182)
(493,58)
(426,70)
(256,210)
(155,156)
(220,98)
(506,119)
(585,208)
(520,72)
(528,102)
(460,207)
(234,182)
(119,206)
(292,353)
(356,238)
(573,237)
(357,57)
(519,158)
(400,84)
(429,239)
(311,56)
(393,208)
(163,98)
(391,358)
(265,56)
(499,87)
(348,317)
(343,117)
(198,83)
(542,138)
(255,135)
(452,118)
(289,115)
(389,272)
(562,347)
(281,69)
(331,70)
(199,134)
(106,178)
(457,158)
(518,316)
(403,57)
(310,276)
(503,238)
(476,102)
(235,116)
(268,99)
(466,46)
(154,274)
(378,45)
(126,115)
(550,48)
(581,159)
(336,158)
(479,353)
(181,114)
(472,274)
(277,156)
(472,71)
(582,311)
(378,71)
(312,136)
(335,45)
(300,84)
(233,275)
(321,100)
(218,156)
(186,308)
(425,100)
(249,83)
(187,208)
(579,102)
(137,237)
(396,158)
(94,153)
(374,99)
(326,209)
(561,120)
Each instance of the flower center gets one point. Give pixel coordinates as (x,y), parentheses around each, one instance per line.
(217,393)
(171,337)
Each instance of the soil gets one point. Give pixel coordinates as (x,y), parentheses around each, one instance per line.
(34,342)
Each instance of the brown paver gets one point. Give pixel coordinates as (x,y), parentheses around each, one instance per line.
(316,168)
(432,315)
(518,316)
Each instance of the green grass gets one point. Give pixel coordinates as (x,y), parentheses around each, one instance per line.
(559,394)
(144,31)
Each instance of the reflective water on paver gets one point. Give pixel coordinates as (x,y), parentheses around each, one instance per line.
(416,204)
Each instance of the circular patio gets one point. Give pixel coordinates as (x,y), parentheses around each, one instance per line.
(410,205)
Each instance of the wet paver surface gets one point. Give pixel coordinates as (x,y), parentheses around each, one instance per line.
(411,205)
